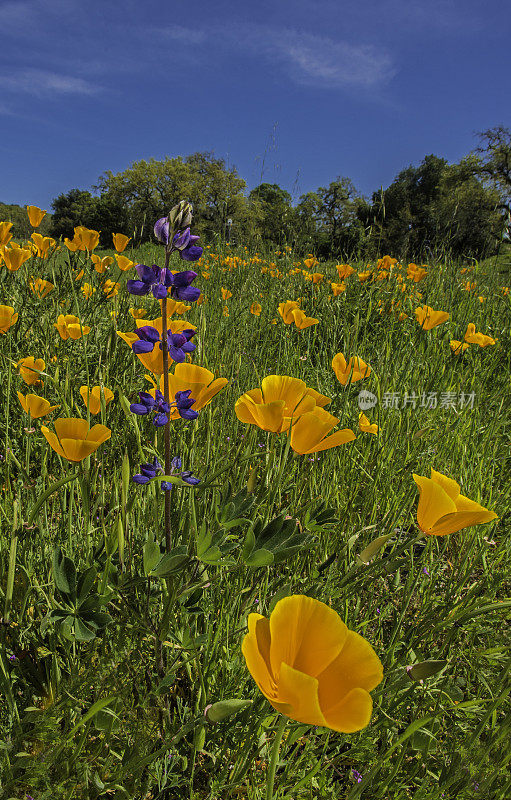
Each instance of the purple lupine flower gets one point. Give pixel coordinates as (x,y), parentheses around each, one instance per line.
(156,279)
(184,241)
(148,336)
(179,344)
(188,477)
(181,289)
(148,403)
(148,471)
(183,403)
(161,230)
(356,775)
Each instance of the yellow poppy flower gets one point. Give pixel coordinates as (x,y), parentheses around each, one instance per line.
(317,277)
(309,434)
(73,244)
(138,313)
(256,309)
(8,318)
(175,306)
(202,383)
(41,287)
(344,271)
(458,347)
(353,370)
(69,327)
(101,264)
(364,276)
(120,241)
(477,338)
(338,288)
(124,263)
(280,400)
(92,399)
(310,666)
(87,290)
(442,509)
(14,256)
(73,440)
(301,320)
(35,215)
(88,238)
(5,233)
(111,289)
(428,319)
(311,262)
(286,309)
(226,294)
(365,426)
(43,244)
(30,368)
(34,405)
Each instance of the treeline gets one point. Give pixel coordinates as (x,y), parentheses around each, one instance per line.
(431,209)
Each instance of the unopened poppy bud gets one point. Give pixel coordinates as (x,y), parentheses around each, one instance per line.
(217,712)
(252,481)
(425,669)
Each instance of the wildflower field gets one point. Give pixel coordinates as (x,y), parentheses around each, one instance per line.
(254,523)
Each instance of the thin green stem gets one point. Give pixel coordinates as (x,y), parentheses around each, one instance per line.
(274,758)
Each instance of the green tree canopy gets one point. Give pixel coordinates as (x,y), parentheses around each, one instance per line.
(147,190)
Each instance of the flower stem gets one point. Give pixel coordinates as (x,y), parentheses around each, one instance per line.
(272,768)
(166,395)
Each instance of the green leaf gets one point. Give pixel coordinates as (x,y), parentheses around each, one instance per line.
(372,549)
(86,582)
(152,555)
(259,558)
(64,573)
(93,710)
(170,562)
(82,631)
(248,545)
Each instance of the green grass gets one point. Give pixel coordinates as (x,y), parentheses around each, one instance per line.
(174,644)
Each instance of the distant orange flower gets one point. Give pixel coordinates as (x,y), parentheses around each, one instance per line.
(30,369)
(428,319)
(120,241)
(344,271)
(35,215)
(226,294)
(350,371)
(256,309)
(41,287)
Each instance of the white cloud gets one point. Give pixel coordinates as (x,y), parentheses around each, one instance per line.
(37,81)
(307,58)
(328,62)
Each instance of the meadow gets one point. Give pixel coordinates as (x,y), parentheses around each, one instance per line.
(122,670)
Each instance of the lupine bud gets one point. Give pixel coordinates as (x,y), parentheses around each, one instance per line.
(224,709)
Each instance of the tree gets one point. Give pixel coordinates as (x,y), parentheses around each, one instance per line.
(69,210)
(495,161)
(273,213)
(79,207)
(436,207)
(147,190)
(341,232)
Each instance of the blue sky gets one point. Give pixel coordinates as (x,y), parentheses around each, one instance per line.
(295,92)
